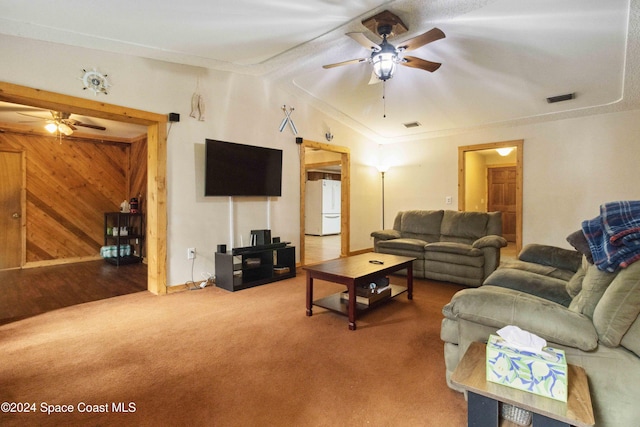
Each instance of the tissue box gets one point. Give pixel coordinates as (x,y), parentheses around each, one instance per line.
(545,375)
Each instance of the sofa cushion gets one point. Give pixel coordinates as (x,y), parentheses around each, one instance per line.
(551,256)
(409,244)
(574,285)
(453,248)
(497,307)
(543,270)
(454,253)
(422,225)
(619,306)
(464,227)
(404,247)
(532,283)
(594,284)
(631,340)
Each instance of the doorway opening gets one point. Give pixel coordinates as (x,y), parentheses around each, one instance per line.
(156,222)
(327,232)
(491,180)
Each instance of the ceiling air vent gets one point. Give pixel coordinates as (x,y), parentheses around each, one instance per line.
(561,98)
(411,125)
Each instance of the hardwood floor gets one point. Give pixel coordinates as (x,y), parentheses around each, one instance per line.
(508,253)
(321,248)
(29,292)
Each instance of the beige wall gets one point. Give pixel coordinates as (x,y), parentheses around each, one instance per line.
(570,166)
(475,182)
(239,108)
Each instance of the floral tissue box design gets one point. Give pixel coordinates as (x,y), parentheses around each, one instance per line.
(542,374)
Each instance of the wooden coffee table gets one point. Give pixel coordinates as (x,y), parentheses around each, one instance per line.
(483,396)
(354,271)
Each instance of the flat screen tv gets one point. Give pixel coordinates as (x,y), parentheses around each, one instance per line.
(242,170)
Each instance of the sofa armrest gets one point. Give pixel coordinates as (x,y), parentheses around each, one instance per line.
(498,307)
(491,241)
(386,234)
(552,256)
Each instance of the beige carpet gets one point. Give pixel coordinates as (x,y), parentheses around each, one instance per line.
(249,358)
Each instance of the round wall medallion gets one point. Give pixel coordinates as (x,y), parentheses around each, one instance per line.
(95,81)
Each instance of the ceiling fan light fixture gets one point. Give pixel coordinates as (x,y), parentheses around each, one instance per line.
(65,129)
(384,64)
(51,127)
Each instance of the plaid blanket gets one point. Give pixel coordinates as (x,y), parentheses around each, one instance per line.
(614,235)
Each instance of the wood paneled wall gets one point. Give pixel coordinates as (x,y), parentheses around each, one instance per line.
(138,171)
(70,183)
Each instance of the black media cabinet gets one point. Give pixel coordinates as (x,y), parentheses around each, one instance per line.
(255,265)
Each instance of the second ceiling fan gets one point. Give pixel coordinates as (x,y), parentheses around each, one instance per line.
(62,123)
(385,56)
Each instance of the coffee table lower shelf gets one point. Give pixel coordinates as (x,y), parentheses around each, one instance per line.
(336,303)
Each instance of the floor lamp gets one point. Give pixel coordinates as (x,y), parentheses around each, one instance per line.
(382,169)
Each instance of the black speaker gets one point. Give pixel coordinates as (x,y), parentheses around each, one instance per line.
(260,237)
(174,117)
(222,249)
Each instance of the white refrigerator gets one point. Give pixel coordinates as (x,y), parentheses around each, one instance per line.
(322,207)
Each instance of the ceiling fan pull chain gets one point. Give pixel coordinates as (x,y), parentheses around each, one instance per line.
(384,99)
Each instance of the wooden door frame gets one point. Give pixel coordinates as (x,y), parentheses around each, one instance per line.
(345,196)
(156,201)
(519,144)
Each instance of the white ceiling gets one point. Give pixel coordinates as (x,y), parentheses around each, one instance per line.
(501,58)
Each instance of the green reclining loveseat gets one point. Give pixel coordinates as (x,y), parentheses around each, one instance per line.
(458,247)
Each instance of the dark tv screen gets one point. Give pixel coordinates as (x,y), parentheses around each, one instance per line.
(242,170)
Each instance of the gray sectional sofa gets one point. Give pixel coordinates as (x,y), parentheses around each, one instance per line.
(558,295)
(458,247)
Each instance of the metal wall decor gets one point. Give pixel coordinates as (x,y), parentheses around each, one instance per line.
(288,119)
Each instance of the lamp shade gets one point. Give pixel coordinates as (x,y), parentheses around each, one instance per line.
(382,168)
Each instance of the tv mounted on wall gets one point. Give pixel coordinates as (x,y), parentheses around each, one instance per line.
(242,170)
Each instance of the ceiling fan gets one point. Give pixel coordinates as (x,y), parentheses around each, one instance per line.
(385,56)
(62,123)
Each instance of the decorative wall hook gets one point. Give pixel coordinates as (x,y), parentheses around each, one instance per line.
(288,119)
(329,136)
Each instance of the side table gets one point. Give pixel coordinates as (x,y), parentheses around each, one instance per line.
(483,396)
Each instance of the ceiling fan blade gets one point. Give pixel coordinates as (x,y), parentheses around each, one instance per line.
(351,61)
(413,62)
(364,41)
(419,41)
(86,125)
(31,115)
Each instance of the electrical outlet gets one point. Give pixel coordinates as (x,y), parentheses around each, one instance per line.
(448,200)
(191,253)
